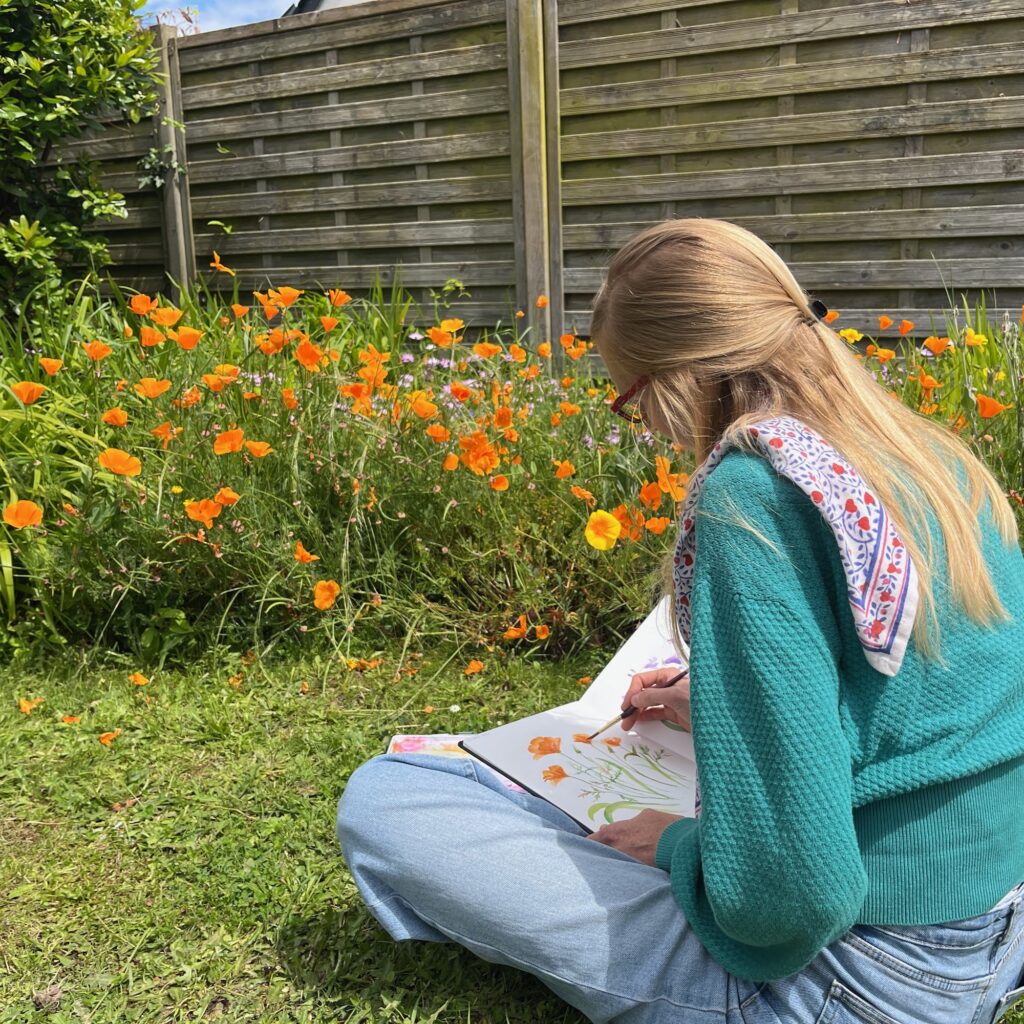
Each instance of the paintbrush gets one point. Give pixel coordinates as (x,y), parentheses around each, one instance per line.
(631,710)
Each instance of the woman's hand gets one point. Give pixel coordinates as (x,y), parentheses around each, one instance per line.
(638,837)
(654,701)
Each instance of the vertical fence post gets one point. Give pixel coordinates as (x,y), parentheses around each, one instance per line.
(530,110)
(176,203)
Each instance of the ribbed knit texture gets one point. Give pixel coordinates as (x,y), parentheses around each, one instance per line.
(831,793)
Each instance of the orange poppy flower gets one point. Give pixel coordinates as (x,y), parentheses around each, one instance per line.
(70,719)
(473,667)
(285,296)
(517,352)
(486,349)
(189,398)
(142,304)
(325,593)
(51,366)
(478,453)
(885,321)
(328,323)
(96,350)
(651,495)
(989,407)
(657,524)
(217,265)
(440,337)
(150,336)
(258,448)
(542,301)
(632,522)
(228,441)
(106,737)
(22,513)
(542,632)
(165,316)
(937,345)
(239,310)
(668,482)
(138,679)
(338,297)
(203,511)
(26,706)
(304,556)
(541,746)
(27,391)
(451,461)
(119,462)
(516,632)
(555,774)
(309,355)
(544,349)
(421,405)
(187,337)
(438,433)
(150,387)
(564,468)
(226,496)
(906,326)
(459,391)
(166,432)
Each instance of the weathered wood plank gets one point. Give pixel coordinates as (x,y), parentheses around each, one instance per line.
(834,176)
(975,272)
(327,29)
(966,221)
(427,275)
(810,77)
(863,320)
(871,122)
(573,11)
(359,236)
(837,22)
(424,107)
(347,76)
(343,158)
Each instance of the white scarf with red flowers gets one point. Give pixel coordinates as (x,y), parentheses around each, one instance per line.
(881,579)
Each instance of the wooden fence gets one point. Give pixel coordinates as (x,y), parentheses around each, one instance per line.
(514,144)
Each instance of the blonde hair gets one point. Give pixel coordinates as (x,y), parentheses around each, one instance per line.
(717,320)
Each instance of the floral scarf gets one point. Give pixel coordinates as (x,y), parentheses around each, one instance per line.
(881,578)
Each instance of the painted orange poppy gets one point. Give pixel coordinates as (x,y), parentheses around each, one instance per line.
(541,746)
(555,774)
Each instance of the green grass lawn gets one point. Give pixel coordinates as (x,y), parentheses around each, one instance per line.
(221,891)
(190,870)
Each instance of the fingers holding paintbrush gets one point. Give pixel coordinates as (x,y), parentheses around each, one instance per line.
(671,702)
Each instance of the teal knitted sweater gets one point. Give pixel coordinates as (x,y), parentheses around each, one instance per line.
(832,794)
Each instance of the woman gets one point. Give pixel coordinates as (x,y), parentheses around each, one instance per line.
(849,580)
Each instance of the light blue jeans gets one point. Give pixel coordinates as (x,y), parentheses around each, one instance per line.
(440,850)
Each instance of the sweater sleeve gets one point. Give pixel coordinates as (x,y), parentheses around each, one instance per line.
(770,873)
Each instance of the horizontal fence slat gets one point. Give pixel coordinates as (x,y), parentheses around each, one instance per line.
(572,11)
(863,320)
(794,129)
(966,221)
(834,176)
(811,77)
(424,107)
(343,158)
(340,197)
(808,26)
(413,275)
(327,29)
(358,236)
(973,272)
(485,57)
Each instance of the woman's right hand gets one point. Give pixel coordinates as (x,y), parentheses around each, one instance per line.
(655,701)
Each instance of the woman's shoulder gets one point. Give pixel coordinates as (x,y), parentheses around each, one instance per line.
(748,480)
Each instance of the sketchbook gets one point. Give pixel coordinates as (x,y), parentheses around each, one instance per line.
(617,774)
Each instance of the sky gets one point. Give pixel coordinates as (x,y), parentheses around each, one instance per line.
(213,14)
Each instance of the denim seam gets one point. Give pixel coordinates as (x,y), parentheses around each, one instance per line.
(933,945)
(530,968)
(925,978)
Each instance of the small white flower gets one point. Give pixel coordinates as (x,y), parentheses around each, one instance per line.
(455,707)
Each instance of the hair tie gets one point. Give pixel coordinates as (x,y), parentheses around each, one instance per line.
(819,309)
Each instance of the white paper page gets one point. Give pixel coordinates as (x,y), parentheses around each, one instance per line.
(610,778)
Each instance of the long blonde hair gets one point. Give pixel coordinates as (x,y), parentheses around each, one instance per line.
(717,320)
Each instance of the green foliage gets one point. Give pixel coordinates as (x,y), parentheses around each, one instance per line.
(63,65)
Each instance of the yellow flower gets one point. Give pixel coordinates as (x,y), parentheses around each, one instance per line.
(602,530)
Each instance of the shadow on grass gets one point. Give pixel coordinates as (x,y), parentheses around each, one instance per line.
(350,963)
